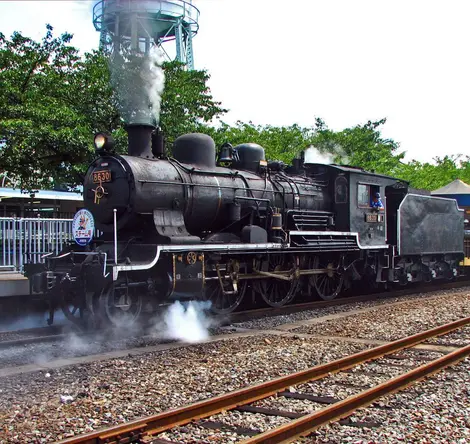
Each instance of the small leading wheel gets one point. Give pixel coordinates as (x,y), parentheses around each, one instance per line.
(278,292)
(120,305)
(329,283)
(73,307)
(222,302)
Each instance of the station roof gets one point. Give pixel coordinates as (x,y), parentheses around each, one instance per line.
(6,193)
(455,187)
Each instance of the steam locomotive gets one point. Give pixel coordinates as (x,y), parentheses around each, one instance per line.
(220,226)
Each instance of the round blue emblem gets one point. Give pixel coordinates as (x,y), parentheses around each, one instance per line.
(83,227)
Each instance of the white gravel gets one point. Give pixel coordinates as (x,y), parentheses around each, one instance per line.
(74,345)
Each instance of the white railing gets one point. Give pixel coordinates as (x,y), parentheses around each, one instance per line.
(26,240)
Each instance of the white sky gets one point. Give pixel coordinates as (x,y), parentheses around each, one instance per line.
(348,61)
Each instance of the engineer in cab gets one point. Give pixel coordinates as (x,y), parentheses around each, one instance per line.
(377,202)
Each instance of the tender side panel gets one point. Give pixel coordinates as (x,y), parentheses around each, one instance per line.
(428,225)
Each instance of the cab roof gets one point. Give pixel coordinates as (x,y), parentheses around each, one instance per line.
(354,169)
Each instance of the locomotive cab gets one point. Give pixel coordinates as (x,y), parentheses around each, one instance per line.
(366,219)
(352,191)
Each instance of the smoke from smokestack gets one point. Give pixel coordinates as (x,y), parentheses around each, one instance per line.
(138,80)
(154,80)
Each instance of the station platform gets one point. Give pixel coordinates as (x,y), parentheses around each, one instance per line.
(13,284)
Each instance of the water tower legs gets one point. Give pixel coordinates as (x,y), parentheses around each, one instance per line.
(131,25)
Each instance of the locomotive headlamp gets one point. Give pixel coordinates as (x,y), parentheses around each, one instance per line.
(103,142)
(100,140)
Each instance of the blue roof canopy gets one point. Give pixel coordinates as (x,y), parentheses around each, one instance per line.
(6,193)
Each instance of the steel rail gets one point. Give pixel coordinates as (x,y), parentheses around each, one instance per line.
(311,422)
(31,340)
(135,430)
(255,313)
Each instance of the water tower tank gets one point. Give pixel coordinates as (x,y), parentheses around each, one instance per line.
(130,25)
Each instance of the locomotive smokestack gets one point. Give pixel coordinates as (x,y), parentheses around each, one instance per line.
(139,137)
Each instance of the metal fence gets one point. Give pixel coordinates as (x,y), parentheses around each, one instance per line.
(26,240)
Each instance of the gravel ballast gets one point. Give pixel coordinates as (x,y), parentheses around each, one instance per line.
(33,407)
(45,406)
(395,322)
(276,321)
(436,410)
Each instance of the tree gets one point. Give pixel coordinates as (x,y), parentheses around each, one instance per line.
(433,176)
(280,143)
(53,101)
(38,114)
(361,145)
(187,102)
(364,146)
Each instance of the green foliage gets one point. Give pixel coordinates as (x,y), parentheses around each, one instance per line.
(364,146)
(53,101)
(361,145)
(187,102)
(433,176)
(36,102)
(280,143)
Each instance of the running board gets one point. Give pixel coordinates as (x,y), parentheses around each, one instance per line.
(325,242)
(330,241)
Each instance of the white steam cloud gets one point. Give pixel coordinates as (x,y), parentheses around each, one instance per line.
(154,80)
(138,80)
(314,155)
(334,154)
(187,323)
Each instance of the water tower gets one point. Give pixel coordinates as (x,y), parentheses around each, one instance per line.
(131,25)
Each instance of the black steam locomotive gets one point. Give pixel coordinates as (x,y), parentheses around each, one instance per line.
(218,227)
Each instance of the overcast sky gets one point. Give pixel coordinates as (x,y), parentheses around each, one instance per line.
(346,61)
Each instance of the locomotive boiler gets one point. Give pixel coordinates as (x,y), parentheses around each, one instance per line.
(188,197)
(220,225)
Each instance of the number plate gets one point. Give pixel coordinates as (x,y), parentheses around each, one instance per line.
(372,217)
(101,176)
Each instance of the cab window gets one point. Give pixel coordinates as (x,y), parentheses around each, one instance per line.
(363,195)
(341,190)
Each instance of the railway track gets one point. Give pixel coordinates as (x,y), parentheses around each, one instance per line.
(16,338)
(52,334)
(295,308)
(157,429)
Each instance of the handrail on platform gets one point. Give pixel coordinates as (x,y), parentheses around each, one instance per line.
(26,240)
